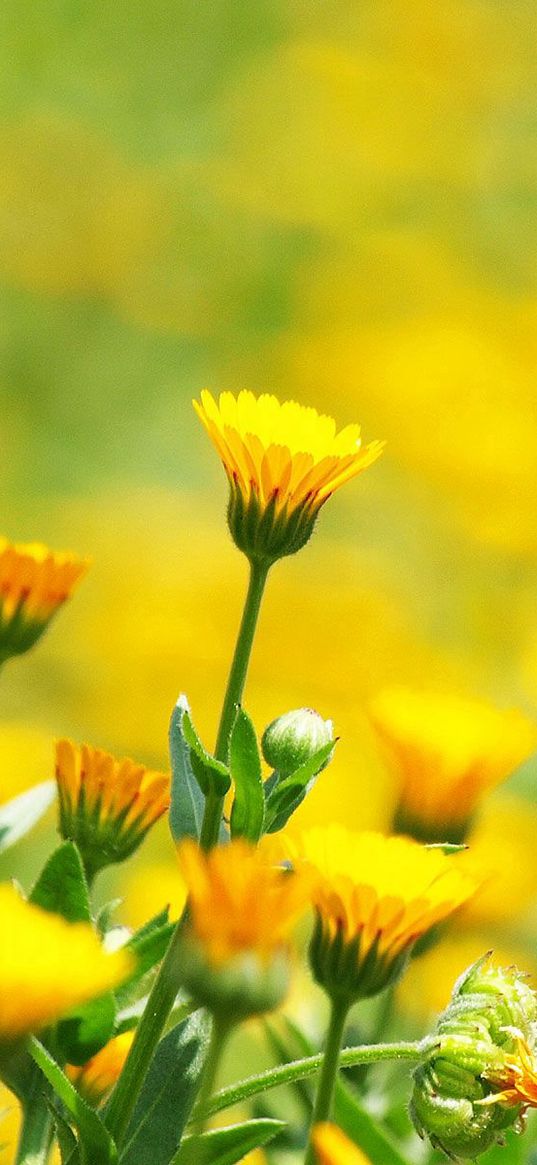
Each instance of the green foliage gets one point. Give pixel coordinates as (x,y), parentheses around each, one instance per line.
(187,801)
(285,796)
(248,809)
(62,887)
(87,1029)
(167,1094)
(228,1145)
(20,814)
(94,1138)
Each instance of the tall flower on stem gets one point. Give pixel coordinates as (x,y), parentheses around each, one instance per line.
(374,897)
(282,461)
(34,584)
(106,805)
(446,752)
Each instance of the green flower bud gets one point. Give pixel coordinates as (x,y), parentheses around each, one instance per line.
(292,739)
(459,1099)
(246,985)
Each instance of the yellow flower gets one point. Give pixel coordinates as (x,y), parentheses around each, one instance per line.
(106,805)
(34,582)
(242,906)
(97,1076)
(47,966)
(374,897)
(447,752)
(283,461)
(332,1147)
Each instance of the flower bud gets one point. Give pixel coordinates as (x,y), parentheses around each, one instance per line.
(476,1081)
(294,738)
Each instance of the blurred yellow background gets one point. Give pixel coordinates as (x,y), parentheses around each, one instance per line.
(330,202)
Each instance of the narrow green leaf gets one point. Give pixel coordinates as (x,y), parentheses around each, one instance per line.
(65,1136)
(212,774)
(168,1093)
(62,887)
(96,1140)
(288,794)
(228,1145)
(20,814)
(187,800)
(365,1130)
(447,847)
(87,1029)
(249,804)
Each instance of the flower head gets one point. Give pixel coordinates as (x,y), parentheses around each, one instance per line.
(36,951)
(447,752)
(242,907)
(374,897)
(480,1073)
(34,582)
(106,805)
(97,1076)
(283,461)
(332,1147)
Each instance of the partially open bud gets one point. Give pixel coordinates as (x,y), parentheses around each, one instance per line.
(480,1077)
(292,739)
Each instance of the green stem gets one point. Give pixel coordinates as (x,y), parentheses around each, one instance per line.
(322,1108)
(166,985)
(308,1066)
(148,1033)
(220,1032)
(36,1129)
(214,804)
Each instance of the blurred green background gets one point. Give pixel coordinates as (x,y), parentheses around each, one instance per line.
(333,202)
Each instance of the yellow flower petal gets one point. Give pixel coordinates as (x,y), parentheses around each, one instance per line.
(48,965)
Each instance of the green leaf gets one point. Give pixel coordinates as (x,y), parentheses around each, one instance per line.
(168,1093)
(21,813)
(287,795)
(447,847)
(249,804)
(187,800)
(212,775)
(62,887)
(364,1129)
(87,1029)
(228,1145)
(149,945)
(95,1138)
(65,1136)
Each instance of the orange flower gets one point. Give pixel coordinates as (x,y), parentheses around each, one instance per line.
(97,1076)
(106,805)
(34,583)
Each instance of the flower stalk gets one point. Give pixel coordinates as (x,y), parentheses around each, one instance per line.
(322,1108)
(235,686)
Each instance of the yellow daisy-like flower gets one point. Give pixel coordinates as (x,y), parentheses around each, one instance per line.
(332,1147)
(447,752)
(34,582)
(95,1079)
(283,462)
(106,805)
(242,906)
(47,966)
(374,897)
